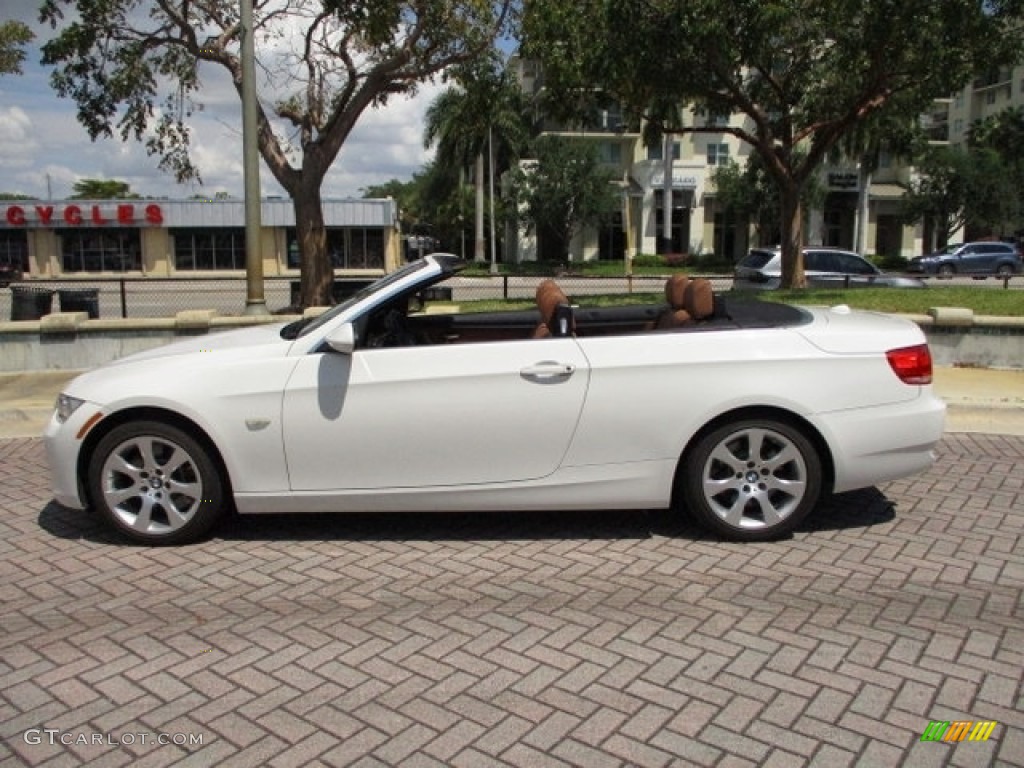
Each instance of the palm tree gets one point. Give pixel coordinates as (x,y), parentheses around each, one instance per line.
(485,110)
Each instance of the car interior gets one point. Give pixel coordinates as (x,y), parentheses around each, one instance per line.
(690,305)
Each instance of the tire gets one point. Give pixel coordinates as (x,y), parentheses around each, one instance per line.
(751,480)
(1004,271)
(155,483)
(946,271)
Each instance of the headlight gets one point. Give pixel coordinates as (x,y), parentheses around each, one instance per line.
(66,405)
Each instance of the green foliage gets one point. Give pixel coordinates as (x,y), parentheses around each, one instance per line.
(483,114)
(565,189)
(802,73)
(1001,137)
(750,192)
(102,189)
(956,186)
(13,37)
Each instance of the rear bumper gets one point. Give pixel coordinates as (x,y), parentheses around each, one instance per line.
(886,442)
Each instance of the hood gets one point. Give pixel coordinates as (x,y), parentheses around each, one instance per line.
(211,343)
(204,363)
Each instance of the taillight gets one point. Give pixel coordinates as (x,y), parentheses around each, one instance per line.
(912,364)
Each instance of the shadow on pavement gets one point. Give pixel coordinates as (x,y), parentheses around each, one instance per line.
(857,509)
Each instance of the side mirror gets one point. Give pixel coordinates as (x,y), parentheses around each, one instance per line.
(342,339)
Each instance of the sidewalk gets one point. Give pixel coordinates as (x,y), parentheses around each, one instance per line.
(982,400)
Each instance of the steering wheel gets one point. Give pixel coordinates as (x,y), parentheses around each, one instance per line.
(392,331)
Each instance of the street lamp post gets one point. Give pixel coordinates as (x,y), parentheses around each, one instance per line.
(255,303)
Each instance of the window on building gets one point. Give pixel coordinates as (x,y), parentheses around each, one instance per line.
(95,251)
(348,247)
(609,152)
(209,248)
(14,250)
(718,154)
(718,119)
(657,151)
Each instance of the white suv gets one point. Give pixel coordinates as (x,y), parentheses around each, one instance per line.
(823,268)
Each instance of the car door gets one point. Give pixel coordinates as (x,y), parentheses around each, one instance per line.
(988,257)
(972,259)
(448,414)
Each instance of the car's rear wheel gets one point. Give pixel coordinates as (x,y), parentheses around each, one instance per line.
(947,270)
(155,483)
(1004,271)
(752,479)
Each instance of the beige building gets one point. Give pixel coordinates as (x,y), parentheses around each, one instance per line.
(182,238)
(699,224)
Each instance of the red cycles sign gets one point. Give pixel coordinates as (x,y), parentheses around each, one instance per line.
(121,214)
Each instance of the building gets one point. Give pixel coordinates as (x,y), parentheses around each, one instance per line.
(181,238)
(700,225)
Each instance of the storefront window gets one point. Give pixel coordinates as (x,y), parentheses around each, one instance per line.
(94,251)
(14,250)
(209,249)
(348,247)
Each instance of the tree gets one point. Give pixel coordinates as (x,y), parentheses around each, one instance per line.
(134,71)
(801,73)
(466,121)
(13,36)
(1003,135)
(102,189)
(564,189)
(955,185)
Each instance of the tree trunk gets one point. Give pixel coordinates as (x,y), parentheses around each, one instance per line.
(792,236)
(479,245)
(317,271)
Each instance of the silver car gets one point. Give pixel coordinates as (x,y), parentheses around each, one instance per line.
(823,267)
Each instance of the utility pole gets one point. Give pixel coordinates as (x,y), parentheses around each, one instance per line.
(255,303)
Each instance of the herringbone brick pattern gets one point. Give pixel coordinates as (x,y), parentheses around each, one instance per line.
(589,639)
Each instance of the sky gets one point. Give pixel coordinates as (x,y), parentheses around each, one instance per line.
(44,150)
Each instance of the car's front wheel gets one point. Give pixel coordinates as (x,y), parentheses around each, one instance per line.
(946,270)
(751,480)
(155,483)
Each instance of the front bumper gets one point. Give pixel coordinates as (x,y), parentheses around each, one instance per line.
(63,447)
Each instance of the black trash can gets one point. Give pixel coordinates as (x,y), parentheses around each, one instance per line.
(80,300)
(30,302)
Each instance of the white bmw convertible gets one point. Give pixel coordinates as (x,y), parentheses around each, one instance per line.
(741,414)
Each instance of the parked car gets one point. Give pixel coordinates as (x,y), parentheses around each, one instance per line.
(9,273)
(761,269)
(740,413)
(976,259)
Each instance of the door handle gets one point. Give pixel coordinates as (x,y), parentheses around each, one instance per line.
(548,371)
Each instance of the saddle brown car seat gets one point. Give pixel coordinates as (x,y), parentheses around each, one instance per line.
(689,301)
(555,312)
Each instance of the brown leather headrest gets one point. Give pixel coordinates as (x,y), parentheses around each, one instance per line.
(699,299)
(675,287)
(549,296)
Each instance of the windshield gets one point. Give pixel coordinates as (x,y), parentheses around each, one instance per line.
(355,298)
(756,259)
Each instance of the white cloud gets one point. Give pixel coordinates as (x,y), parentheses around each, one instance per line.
(17,139)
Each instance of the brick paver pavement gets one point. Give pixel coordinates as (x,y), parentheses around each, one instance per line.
(589,639)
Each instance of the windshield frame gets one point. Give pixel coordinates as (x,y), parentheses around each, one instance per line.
(425,271)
